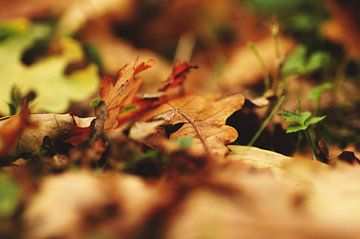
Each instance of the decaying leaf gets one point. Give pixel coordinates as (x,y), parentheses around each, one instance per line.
(46,75)
(203,118)
(55,126)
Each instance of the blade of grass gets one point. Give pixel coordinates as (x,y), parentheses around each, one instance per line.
(267,120)
(265,72)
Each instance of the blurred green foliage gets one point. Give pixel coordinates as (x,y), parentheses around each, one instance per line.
(302,62)
(9,195)
(45,74)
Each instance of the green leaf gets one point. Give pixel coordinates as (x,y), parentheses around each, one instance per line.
(295,128)
(318,60)
(46,77)
(299,118)
(9,196)
(316,93)
(295,63)
(314,120)
(302,120)
(301,63)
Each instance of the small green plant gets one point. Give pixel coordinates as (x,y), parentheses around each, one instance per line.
(302,122)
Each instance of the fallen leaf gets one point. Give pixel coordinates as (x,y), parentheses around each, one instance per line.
(178,75)
(142,129)
(11,128)
(259,158)
(203,118)
(55,126)
(45,76)
(119,93)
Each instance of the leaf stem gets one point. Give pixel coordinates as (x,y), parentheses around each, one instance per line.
(311,143)
(267,120)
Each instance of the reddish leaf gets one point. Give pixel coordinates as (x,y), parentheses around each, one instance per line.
(178,75)
(78,134)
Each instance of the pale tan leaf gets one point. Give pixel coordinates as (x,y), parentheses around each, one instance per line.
(258,158)
(142,129)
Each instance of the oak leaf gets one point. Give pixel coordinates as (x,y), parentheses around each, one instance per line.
(203,118)
(121,92)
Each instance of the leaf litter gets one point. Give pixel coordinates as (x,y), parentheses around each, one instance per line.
(161,159)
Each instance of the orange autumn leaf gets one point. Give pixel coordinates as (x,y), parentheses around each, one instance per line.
(139,105)
(120,92)
(11,129)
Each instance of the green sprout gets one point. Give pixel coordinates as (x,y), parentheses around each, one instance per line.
(302,122)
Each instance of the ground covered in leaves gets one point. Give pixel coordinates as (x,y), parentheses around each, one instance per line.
(179,119)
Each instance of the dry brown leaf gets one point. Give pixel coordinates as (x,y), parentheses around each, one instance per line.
(204,119)
(55,126)
(244,69)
